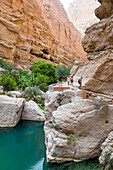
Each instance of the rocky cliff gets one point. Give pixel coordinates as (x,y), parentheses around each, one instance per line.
(33,30)
(75,128)
(81,13)
(98,43)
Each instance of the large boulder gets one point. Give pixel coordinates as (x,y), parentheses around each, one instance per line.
(87,122)
(55,99)
(10,110)
(31,111)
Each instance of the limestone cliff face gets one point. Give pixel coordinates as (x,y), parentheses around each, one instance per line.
(33,30)
(81,13)
(98,43)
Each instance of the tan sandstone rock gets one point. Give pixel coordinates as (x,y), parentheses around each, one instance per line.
(97,73)
(33,30)
(10,110)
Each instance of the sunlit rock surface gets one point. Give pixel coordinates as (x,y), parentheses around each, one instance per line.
(10,110)
(31,111)
(33,30)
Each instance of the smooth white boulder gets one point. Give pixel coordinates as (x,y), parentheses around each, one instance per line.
(10,110)
(31,111)
(15,94)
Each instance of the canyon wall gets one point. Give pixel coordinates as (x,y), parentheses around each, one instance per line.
(98,43)
(75,128)
(81,13)
(33,30)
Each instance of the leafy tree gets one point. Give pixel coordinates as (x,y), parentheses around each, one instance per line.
(8,83)
(9,70)
(41,79)
(24,79)
(36,63)
(63,71)
(44,87)
(48,70)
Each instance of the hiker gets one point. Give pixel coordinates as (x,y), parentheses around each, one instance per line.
(60,79)
(68,80)
(80,82)
(71,79)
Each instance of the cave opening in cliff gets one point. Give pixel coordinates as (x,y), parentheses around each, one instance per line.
(37,55)
(45,51)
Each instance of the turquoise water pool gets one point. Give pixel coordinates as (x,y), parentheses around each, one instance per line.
(22,148)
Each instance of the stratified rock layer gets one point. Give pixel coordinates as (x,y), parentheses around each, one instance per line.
(33,30)
(98,72)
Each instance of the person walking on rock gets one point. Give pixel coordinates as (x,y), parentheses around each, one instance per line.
(68,80)
(80,82)
(60,79)
(71,79)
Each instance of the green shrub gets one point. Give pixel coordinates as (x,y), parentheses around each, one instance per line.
(4,64)
(10,95)
(31,93)
(41,107)
(63,71)
(48,70)
(41,79)
(44,87)
(8,83)
(42,102)
(36,63)
(24,79)
(10,71)
(71,138)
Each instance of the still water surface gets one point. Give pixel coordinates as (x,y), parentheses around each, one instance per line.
(22,148)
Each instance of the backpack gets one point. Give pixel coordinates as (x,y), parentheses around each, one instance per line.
(79,81)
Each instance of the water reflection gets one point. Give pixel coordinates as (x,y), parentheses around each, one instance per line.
(39,165)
